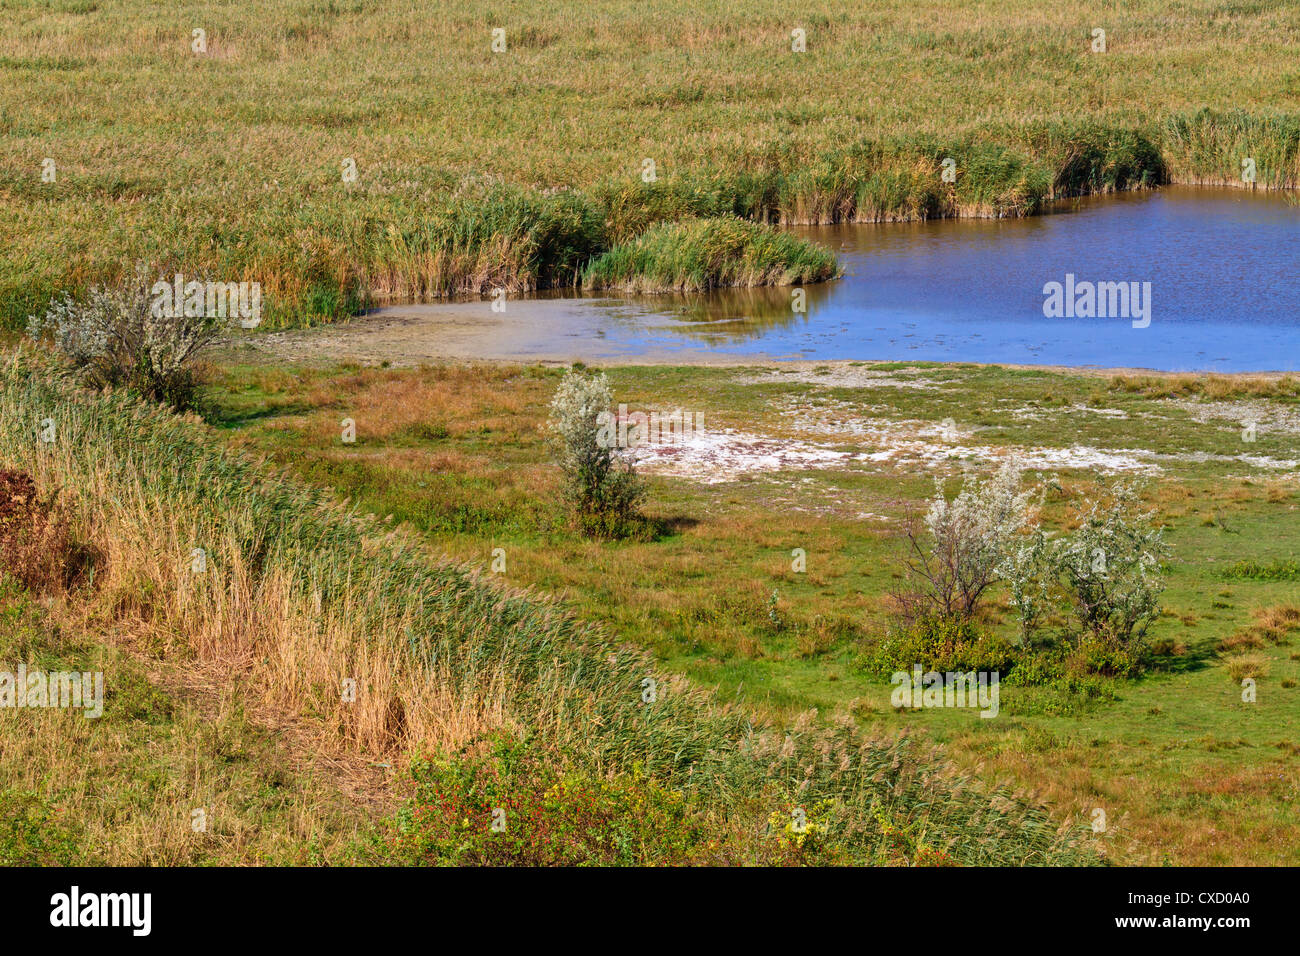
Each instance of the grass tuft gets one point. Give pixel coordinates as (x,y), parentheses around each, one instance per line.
(702,254)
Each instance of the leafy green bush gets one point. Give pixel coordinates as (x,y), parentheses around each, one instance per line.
(516,807)
(939,644)
(1061,664)
(1101,655)
(1072,695)
(1251,570)
(32,833)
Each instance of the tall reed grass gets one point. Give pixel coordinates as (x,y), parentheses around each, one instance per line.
(702,254)
(484,235)
(1209,146)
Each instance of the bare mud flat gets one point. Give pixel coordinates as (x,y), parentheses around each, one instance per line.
(546,331)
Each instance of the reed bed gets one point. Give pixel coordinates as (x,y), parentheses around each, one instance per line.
(297,594)
(514,170)
(485,236)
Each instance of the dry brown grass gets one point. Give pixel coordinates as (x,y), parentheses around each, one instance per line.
(286,655)
(1242,666)
(181,736)
(1244,640)
(387,402)
(1271,626)
(1277,621)
(1209,386)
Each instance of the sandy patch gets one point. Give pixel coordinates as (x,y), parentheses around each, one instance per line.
(932,456)
(1116,413)
(712,457)
(829,436)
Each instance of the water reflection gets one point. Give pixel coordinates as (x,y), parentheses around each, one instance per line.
(1222,267)
(733,315)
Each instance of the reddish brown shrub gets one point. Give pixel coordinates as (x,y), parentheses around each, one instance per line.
(36,544)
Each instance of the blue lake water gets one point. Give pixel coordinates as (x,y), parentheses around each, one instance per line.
(1221,266)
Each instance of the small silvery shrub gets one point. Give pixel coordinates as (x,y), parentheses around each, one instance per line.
(1026,566)
(601,487)
(115,337)
(1106,573)
(1110,567)
(969,537)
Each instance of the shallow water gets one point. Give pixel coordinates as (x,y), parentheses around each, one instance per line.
(1222,267)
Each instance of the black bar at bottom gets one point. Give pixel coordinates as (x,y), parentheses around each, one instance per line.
(334,907)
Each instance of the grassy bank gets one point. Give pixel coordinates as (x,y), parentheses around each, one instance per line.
(1183,768)
(478,170)
(202,557)
(122,789)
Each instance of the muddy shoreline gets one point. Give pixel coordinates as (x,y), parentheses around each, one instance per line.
(470,333)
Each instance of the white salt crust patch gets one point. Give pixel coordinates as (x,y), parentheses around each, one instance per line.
(712,456)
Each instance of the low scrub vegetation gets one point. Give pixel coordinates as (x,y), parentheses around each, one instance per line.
(36,541)
(969,538)
(1108,569)
(33,834)
(116,338)
(516,806)
(1252,570)
(1270,626)
(1102,581)
(1210,386)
